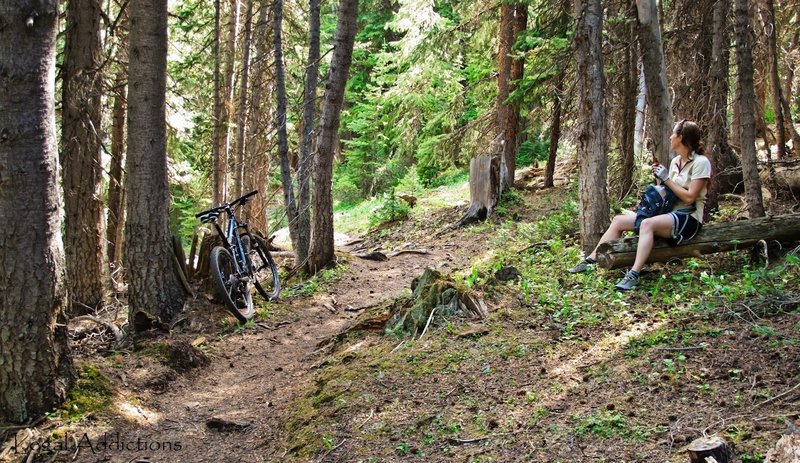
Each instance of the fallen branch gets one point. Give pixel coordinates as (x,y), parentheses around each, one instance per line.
(456,440)
(407,251)
(374,255)
(715,237)
(778,396)
(118,334)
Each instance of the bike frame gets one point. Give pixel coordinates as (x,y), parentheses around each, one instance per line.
(233,241)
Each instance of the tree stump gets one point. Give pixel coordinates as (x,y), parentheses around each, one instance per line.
(198,234)
(708,449)
(484,189)
(203,270)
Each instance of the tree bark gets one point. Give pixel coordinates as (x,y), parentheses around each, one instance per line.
(306,139)
(711,448)
(655,73)
(746,102)
(555,131)
(218,155)
(35,365)
(228,88)
(591,128)
(723,160)
(80,156)
(484,188)
(506,40)
(154,288)
(513,128)
(791,66)
(256,157)
(627,126)
(241,109)
(321,252)
(116,198)
(280,123)
(775,80)
(714,237)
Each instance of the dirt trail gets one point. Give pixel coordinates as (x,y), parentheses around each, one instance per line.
(254,375)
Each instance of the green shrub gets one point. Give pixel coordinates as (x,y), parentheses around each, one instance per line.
(345,192)
(533,149)
(391,209)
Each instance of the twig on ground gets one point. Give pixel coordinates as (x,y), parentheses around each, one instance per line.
(533,245)
(681,349)
(332,449)
(398,346)
(456,440)
(778,396)
(118,335)
(371,413)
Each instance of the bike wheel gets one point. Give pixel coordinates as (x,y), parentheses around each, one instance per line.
(265,272)
(233,289)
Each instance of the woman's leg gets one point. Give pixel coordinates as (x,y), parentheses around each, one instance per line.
(661,226)
(619,224)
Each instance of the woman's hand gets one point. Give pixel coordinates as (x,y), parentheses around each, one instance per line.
(660,172)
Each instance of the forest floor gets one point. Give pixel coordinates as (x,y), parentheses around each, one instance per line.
(564,368)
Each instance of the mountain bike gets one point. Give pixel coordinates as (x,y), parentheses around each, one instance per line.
(242,259)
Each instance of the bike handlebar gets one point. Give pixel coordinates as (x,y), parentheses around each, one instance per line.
(242,200)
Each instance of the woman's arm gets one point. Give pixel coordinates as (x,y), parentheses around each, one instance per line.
(690,195)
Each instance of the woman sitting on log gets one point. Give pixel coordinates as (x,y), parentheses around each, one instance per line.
(687,178)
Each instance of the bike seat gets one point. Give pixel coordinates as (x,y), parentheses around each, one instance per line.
(211,217)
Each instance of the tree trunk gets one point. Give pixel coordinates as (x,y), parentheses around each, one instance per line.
(80,156)
(219,160)
(747,98)
(35,365)
(306,139)
(154,288)
(241,110)
(512,128)
(280,123)
(321,252)
(228,89)
(555,131)
(627,126)
(641,105)
(504,109)
(714,237)
(116,197)
(775,80)
(655,73)
(791,66)
(723,160)
(256,157)
(591,128)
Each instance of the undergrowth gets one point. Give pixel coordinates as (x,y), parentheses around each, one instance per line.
(638,358)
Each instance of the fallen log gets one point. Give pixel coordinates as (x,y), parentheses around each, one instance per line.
(714,237)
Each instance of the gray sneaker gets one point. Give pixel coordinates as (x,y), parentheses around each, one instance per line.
(582,266)
(628,282)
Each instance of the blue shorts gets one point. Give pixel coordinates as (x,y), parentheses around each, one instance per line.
(684,228)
